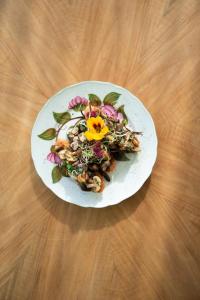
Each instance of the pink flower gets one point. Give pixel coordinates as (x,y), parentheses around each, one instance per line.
(54,158)
(97,150)
(94,111)
(93,114)
(109,111)
(77,101)
(120,117)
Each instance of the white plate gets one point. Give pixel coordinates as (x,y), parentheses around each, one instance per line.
(128,177)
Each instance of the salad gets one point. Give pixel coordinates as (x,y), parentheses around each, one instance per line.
(97,139)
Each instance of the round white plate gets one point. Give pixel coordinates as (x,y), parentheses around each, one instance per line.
(128,177)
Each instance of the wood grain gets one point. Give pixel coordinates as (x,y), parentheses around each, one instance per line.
(147,247)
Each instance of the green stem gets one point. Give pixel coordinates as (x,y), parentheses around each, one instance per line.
(82,114)
(136,132)
(57,133)
(90,110)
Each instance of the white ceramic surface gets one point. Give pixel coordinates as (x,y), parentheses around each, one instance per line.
(128,177)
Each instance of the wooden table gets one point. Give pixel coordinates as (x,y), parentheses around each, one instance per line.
(147,247)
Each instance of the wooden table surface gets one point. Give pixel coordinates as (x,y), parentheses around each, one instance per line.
(147,247)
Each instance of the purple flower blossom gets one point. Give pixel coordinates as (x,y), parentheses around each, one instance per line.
(54,158)
(97,150)
(109,111)
(76,101)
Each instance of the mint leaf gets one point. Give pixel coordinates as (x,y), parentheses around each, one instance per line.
(56,174)
(64,171)
(62,118)
(48,134)
(111,98)
(94,100)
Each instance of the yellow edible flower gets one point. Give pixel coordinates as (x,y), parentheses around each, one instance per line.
(96,129)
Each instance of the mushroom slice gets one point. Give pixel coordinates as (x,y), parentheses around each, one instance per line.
(96,184)
(105,165)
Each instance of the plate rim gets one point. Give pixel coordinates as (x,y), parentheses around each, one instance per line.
(140,103)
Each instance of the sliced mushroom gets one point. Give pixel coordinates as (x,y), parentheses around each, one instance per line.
(135,142)
(71,158)
(75,130)
(72,133)
(67,154)
(62,154)
(95,186)
(137,149)
(105,165)
(75,163)
(74,145)
(93,167)
(82,137)
(82,178)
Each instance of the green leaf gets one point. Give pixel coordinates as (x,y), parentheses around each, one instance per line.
(64,171)
(120,156)
(56,174)
(62,118)
(79,107)
(121,110)
(111,98)
(53,149)
(70,167)
(94,100)
(48,134)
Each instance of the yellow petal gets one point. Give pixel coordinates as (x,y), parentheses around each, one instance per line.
(90,122)
(98,136)
(100,121)
(89,135)
(93,136)
(104,130)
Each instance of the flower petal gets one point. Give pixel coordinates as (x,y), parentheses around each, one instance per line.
(74,103)
(89,135)
(90,123)
(57,159)
(100,121)
(84,101)
(109,110)
(98,136)
(120,117)
(104,130)
(50,157)
(78,99)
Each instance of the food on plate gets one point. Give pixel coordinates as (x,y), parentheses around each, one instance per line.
(98,136)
